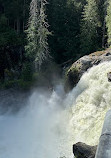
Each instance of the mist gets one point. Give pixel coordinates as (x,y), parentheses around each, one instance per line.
(46,123)
(38,129)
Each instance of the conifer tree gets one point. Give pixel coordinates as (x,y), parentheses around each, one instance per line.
(102,7)
(108,22)
(89,27)
(37,32)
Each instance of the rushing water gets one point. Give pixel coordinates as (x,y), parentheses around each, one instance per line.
(49,125)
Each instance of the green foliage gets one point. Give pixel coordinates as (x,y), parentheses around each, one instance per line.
(9,74)
(25,84)
(108,22)
(13,18)
(37,33)
(9,84)
(89,27)
(15,80)
(64,20)
(77,27)
(8,36)
(19,84)
(3,20)
(27,72)
(15,9)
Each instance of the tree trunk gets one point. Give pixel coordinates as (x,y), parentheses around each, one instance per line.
(103,38)
(24,16)
(18,25)
(14,24)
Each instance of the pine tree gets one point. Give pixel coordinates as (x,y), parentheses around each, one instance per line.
(108,22)
(37,32)
(89,27)
(102,7)
(64,20)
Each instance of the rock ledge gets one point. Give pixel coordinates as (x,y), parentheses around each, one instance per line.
(77,69)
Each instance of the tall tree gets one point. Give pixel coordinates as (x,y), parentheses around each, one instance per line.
(64,20)
(11,33)
(17,13)
(89,27)
(102,7)
(108,22)
(37,32)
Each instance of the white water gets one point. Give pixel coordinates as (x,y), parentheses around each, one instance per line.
(49,125)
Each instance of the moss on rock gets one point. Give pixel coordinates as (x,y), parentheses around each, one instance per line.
(74,73)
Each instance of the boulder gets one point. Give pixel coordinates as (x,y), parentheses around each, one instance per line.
(109,76)
(74,73)
(81,150)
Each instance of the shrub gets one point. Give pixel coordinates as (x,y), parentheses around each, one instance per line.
(27,72)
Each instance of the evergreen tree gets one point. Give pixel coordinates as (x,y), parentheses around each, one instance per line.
(102,7)
(89,27)
(37,33)
(108,22)
(64,20)
(12,22)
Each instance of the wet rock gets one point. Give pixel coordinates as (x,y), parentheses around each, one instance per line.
(109,53)
(109,76)
(81,150)
(72,78)
(77,69)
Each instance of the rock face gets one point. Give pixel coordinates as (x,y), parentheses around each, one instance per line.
(75,72)
(109,76)
(82,150)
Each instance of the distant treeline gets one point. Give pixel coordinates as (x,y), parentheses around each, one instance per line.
(76,27)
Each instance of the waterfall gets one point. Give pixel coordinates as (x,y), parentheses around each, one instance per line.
(51,123)
(89,101)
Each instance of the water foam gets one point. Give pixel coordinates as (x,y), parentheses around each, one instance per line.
(49,125)
(90,100)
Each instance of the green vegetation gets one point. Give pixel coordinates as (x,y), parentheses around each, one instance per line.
(89,26)
(108,22)
(35,32)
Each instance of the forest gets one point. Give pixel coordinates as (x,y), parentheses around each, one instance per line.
(34,35)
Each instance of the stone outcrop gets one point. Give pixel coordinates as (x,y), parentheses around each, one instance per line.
(109,76)
(75,72)
(81,150)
